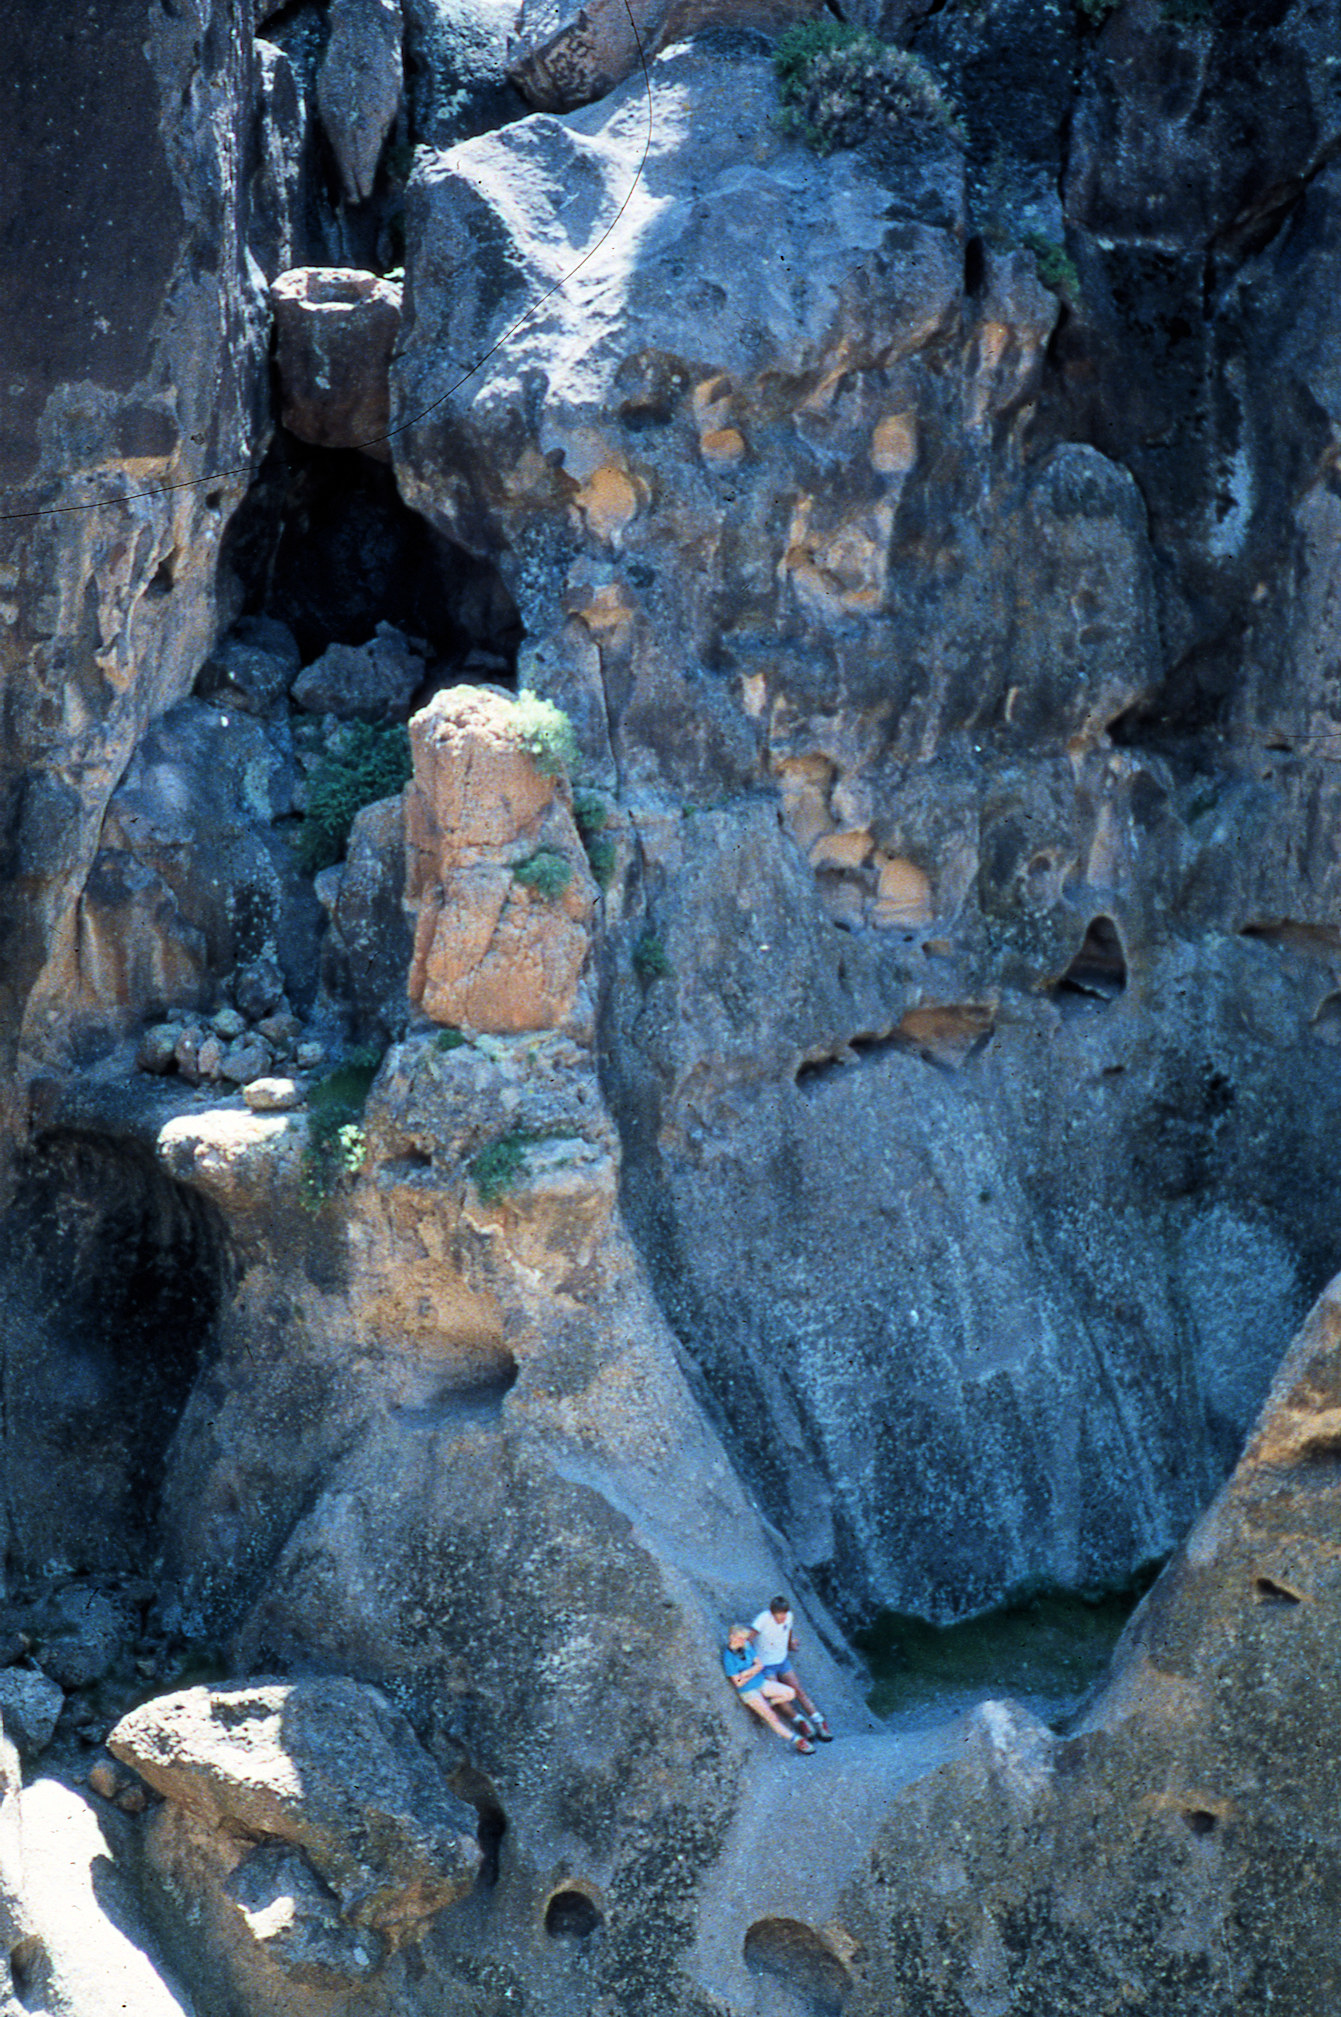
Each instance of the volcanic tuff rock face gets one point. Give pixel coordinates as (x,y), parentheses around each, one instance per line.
(875,1137)
(975,989)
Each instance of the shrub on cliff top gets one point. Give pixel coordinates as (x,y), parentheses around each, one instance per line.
(841,86)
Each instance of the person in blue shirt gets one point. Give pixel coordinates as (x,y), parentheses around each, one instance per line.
(765,1696)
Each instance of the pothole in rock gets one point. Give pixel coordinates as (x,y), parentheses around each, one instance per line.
(1048,1654)
(572,1913)
(796,1956)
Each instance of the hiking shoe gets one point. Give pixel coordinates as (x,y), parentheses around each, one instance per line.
(820,1728)
(802,1747)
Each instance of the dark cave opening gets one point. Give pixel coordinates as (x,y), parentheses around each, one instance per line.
(324,542)
(111,1282)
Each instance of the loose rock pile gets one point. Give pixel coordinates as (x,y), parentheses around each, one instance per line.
(242,1044)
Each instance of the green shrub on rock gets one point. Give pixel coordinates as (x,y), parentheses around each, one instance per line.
(496,1168)
(841,86)
(367,762)
(547,873)
(336,1144)
(651,961)
(1056,268)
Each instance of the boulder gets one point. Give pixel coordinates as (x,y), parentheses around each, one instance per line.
(566,54)
(363,682)
(359,88)
(493,950)
(327,1767)
(366,952)
(456,80)
(297,1918)
(245,1059)
(80,1632)
(157,1051)
(30,1703)
(335,330)
(258,986)
(252,666)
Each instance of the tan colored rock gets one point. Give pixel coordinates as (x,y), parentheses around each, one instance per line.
(568,53)
(336,328)
(490,952)
(272,1095)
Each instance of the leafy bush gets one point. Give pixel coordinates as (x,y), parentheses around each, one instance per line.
(336,1144)
(1056,268)
(497,1167)
(592,815)
(368,762)
(546,734)
(547,872)
(841,86)
(590,811)
(651,961)
(1096,10)
(450,1039)
(603,856)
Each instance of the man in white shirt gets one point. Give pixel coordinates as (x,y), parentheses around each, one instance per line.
(774,1643)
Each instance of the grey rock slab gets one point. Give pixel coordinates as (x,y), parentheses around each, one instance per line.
(327,1766)
(801,1829)
(30,1703)
(359,87)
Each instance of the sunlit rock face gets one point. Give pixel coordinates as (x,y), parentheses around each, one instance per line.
(975,1111)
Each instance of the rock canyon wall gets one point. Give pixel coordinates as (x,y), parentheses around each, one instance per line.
(671,928)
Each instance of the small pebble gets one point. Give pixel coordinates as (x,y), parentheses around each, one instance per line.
(310,1055)
(228,1024)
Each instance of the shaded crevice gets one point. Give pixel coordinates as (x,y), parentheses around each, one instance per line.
(864,1047)
(1318,941)
(1268,1591)
(1098,972)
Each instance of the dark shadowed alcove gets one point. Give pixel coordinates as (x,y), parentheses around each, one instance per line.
(111,1281)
